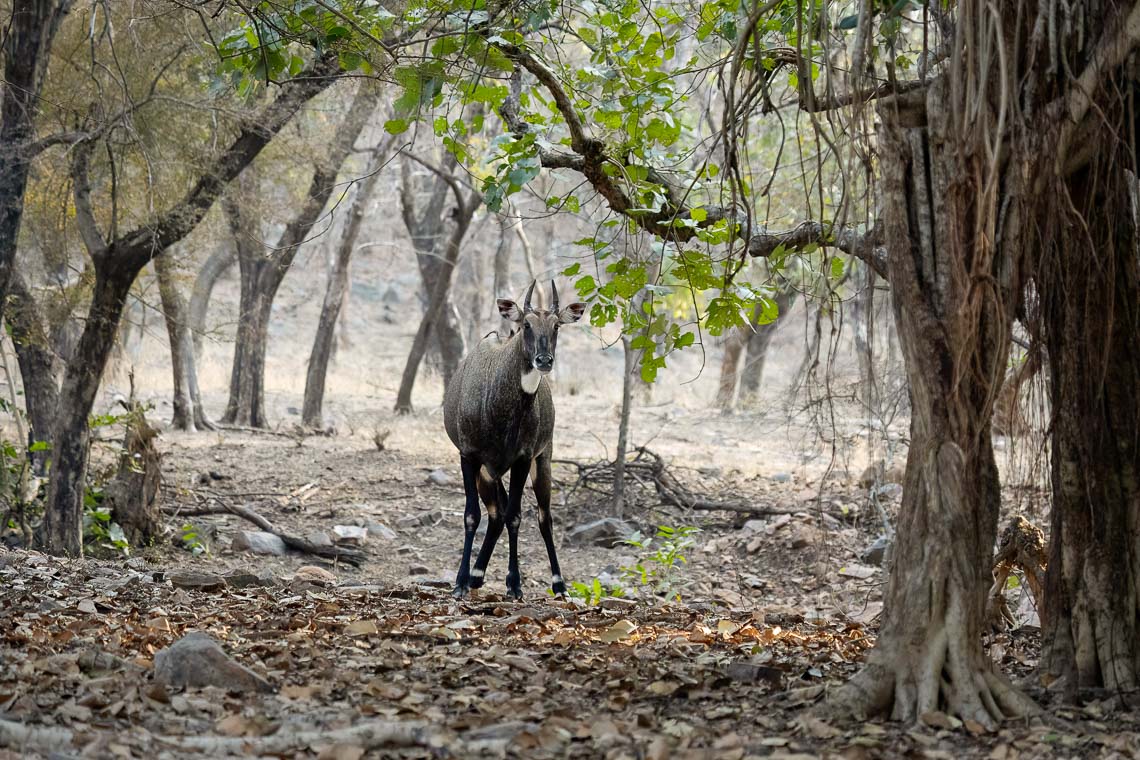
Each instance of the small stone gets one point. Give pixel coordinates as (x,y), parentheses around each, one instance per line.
(350,535)
(259,542)
(607,532)
(425,520)
(782,477)
(320,539)
(617,603)
(439,478)
(244,579)
(754,526)
(313,574)
(419,570)
(754,545)
(381,531)
(875,553)
(803,536)
(196,660)
(197,581)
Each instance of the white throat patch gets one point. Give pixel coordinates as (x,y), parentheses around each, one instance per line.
(530,380)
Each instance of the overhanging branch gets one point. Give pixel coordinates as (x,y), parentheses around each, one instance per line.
(865,246)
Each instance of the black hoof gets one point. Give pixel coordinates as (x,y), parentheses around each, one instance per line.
(514,593)
(460,592)
(559,589)
(476,583)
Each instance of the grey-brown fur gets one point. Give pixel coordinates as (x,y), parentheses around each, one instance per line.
(499,413)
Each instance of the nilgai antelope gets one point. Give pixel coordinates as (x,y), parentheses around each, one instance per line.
(499,413)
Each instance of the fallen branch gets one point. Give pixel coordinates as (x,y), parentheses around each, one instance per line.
(646,468)
(339,553)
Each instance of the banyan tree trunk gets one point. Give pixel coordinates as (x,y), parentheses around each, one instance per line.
(1090,281)
(952,281)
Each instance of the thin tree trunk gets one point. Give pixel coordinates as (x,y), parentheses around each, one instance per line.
(39,369)
(734,344)
(28,34)
(337,293)
(188,412)
(435,309)
(756,353)
(501,283)
(864,313)
(217,264)
(628,366)
(262,275)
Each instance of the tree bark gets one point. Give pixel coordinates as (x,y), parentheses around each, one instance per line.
(955,336)
(756,352)
(426,229)
(335,293)
(188,412)
(39,368)
(734,344)
(262,274)
(116,264)
(628,366)
(434,313)
(28,37)
(1090,285)
(864,319)
(217,264)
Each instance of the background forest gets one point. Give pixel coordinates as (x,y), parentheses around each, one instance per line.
(849,431)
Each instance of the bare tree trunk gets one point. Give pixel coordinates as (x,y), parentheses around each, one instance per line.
(217,263)
(756,353)
(734,343)
(438,302)
(863,312)
(29,30)
(188,412)
(262,275)
(1090,285)
(426,229)
(501,287)
(629,364)
(39,368)
(337,292)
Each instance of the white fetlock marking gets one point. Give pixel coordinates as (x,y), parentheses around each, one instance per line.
(555,580)
(476,573)
(530,380)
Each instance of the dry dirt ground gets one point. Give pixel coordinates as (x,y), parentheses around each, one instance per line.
(767,612)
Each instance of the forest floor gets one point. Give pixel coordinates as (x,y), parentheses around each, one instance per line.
(766,613)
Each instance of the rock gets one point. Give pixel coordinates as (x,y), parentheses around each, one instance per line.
(607,532)
(315,575)
(419,570)
(197,581)
(426,519)
(617,603)
(381,531)
(879,473)
(754,545)
(196,661)
(244,579)
(439,478)
(782,477)
(259,542)
(875,553)
(859,572)
(776,523)
(803,536)
(350,535)
(320,539)
(754,526)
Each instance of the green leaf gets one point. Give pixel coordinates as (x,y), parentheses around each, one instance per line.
(699,214)
(572,270)
(396,126)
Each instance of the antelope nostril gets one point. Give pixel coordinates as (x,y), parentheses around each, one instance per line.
(544,362)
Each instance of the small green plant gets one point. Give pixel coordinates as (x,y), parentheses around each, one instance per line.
(660,570)
(593,593)
(98,527)
(191,541)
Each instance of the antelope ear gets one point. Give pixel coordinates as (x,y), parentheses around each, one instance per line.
(508,309)
(571,313)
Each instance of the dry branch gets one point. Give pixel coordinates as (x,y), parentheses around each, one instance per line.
(648,469)
(339,553)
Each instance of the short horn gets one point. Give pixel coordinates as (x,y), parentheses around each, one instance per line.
(553,297)
(526,301)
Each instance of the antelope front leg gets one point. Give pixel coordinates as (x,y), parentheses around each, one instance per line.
(519,471)
(495,499)
(471,517)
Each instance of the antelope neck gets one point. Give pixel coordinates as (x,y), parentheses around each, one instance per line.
(528,377)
